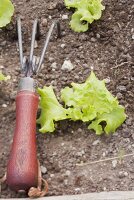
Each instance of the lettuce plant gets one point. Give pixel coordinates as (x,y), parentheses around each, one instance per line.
(89,102)
(6,12)
(86,11)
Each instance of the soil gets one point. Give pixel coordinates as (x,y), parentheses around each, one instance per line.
(108,48)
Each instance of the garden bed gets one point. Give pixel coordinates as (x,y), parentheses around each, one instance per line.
(108,49)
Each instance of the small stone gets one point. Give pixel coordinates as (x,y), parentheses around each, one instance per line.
(43,169)
(51,175)
(79,130)
(13,95)
(79,154)
(98,35)
(104,154)
(129,122)
(76,77)
(122,88)
(114,163)
(92,67)
(77,189)
(119,95)
(107,80)
(3,43)
(65,182)
(125,173)
(1,67)
(51,59)
(52,6)
(83,152)
(62,45)
(93,39)
(54,65)
(121,174)
(67,65)
(96,142)
(50,17)
(4,105)
(44,22)
(133,37)
(68,173)
(64,16)
(62,144)
(104,189)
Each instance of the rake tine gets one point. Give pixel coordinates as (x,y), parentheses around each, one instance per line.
(20,42)
(34,31)
(45,46)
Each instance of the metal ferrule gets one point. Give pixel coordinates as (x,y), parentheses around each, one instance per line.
(27,83)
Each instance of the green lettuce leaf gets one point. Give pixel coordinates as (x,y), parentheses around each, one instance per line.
(51,110)
(89,102)
(6,12)
(86,11)
(3,78)
(92,102)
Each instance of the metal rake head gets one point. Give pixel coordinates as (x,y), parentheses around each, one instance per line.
(32,65)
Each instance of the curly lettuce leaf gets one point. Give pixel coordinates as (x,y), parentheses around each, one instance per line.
(6,12)
(89,102)
(3,78)
(51,110)
(76,23)
(92,102)
(86,11)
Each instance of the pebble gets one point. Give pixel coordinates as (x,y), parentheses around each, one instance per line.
(1,67)
(3,43)
(65,182)
(4,105)
(133,37)
(96,142)
(54,65)
(43,169)
(122,174)
(114,163)
(92,67)
(104,189)
(80,153)
(13,95)
(51,59)
(122,88)
(77,189)
(107,80)
(62,144)
(79,130)
(68,173)
(119,95)
(67,65)
(62,45)
(44,22)
(64,16)
(129,121)
(93,39)
(76,77)
(98,35)
(125,173)
(52,6)
(51,175)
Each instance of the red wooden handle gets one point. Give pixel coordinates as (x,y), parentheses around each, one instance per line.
(22,169)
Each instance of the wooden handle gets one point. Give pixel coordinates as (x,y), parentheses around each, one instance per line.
(22,169)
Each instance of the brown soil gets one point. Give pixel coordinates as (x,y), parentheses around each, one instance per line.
(108,48)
